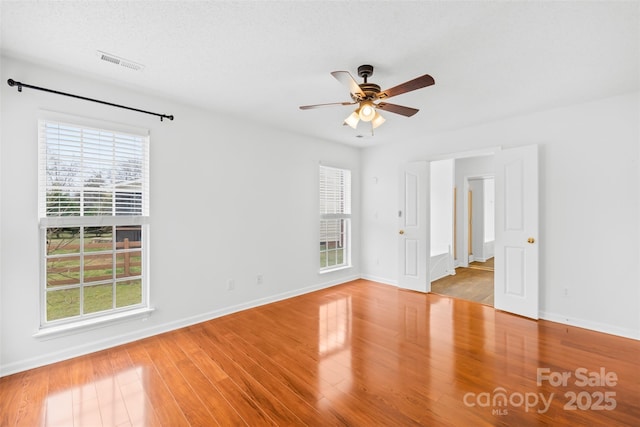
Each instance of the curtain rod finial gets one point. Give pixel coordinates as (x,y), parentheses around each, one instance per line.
(12,83)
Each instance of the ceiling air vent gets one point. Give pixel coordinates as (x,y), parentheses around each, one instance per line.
(119,61)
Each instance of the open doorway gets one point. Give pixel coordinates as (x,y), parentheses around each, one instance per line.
(462,195)
(516,286)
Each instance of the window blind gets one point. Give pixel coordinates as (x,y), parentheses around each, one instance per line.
(335,191)
(90,172)
(335,214)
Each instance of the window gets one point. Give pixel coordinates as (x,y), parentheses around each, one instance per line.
(335,218)
(93,214)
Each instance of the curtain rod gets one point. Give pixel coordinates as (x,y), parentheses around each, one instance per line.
(20,85)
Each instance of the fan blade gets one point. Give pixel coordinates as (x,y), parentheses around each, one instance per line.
(417,83)
(398,109)
(309,107)
(347,79)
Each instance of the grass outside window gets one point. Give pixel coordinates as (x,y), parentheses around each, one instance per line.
(87,272)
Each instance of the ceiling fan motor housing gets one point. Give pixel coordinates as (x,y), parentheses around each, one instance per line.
(370,89)
(365,71)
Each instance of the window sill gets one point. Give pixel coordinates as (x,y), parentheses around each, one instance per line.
(331,270)
(89,324)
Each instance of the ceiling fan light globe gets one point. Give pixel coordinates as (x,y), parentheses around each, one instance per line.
(367,112)
(377,120)
(353,119)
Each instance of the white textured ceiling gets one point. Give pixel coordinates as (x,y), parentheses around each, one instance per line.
(262,59)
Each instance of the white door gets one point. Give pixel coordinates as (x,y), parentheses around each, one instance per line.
(516,244)
(413,230)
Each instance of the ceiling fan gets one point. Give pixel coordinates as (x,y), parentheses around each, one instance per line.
(366,94)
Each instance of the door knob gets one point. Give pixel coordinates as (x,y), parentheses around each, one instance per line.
(401,231)
(531,240)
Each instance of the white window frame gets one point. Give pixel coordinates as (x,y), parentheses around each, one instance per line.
(334,205)
(113,219)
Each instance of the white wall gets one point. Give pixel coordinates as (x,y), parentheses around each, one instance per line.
(589,206)
(441,206)
(215,215)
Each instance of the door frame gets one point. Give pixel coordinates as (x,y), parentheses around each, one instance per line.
(426,287)
(464,262)
(489,151)
(479,153)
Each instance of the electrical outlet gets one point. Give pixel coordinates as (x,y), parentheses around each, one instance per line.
(259,279)
(566,292)
(231,284)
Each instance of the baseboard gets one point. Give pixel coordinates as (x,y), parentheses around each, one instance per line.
(592,326)
(382,280)
(110,342)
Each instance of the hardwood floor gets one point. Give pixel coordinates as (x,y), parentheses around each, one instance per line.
(358,354)
(471,284)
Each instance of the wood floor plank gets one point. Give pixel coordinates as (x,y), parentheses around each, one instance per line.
(281,352)
(308,392)
(30,410)
(357,354)
(129,378)
(260,394)
(223,412)
(247,408)
(165,356)
(10,387)
(283,391)
(182,349)
(166,408)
